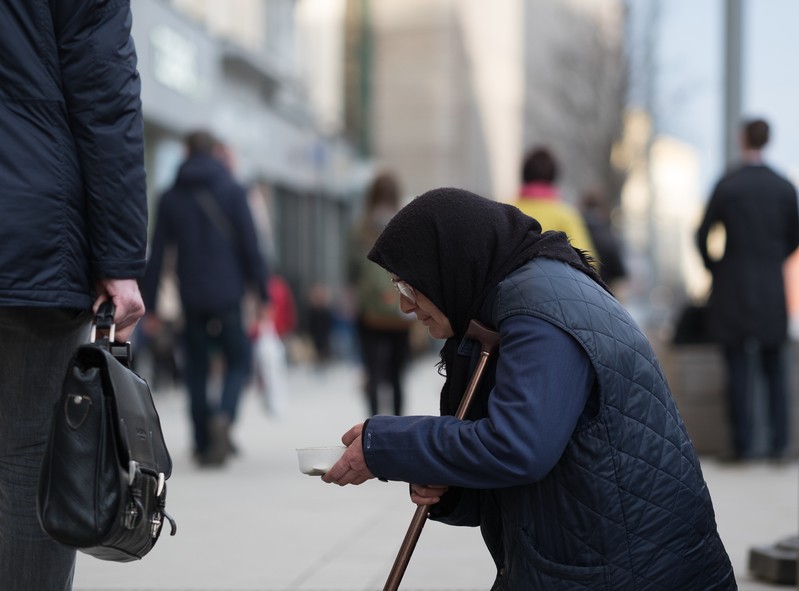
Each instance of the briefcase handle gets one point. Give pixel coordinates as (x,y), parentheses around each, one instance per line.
(103,323)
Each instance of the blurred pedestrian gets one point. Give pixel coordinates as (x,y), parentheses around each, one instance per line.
(540,199)
(573,459)
(383,330)
(320,323)
(205,217)
(748,315)
(608,249)
(74,228)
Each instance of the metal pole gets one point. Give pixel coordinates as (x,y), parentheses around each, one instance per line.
(733,79)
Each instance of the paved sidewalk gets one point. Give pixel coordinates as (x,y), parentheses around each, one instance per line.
(258,524)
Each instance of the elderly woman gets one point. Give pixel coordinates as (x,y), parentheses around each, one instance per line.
(573,459)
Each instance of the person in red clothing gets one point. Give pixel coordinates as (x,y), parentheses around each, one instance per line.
(284,311)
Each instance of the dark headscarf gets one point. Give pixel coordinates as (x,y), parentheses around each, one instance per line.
(454,247)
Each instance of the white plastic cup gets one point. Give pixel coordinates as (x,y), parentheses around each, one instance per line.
(315,461)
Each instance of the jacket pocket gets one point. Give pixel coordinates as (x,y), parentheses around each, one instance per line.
(528,569)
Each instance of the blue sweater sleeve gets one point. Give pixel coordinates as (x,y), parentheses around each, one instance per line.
(543,380)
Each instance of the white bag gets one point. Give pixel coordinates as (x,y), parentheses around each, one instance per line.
(269,361)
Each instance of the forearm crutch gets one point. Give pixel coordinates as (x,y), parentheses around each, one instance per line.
(489,340)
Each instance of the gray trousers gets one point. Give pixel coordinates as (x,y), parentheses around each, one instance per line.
(35,347)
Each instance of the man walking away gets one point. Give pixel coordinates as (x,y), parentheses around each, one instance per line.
(748,311)
(205,217)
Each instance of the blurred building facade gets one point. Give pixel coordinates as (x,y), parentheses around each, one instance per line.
(662,204)
(452,92)
(575,93)
(312,96)
(237,69)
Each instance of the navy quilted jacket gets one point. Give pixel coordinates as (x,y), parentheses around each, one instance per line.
(626,506)
(72,181)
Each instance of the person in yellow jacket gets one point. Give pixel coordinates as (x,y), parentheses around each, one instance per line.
(540,199)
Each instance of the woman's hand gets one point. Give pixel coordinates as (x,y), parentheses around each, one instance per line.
(427,494)
(351,467)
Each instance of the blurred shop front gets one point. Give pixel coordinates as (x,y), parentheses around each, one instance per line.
(310,183)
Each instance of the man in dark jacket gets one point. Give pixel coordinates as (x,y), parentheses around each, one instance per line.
(206,218)
(748,311)
(74,231)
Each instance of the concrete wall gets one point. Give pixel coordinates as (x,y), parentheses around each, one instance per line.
(697,376)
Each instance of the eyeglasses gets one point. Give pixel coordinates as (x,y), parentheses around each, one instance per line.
(404,289)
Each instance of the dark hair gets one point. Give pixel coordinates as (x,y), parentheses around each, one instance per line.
(539,165)
(756,133)
(200,141)
(384,190)
(593,198)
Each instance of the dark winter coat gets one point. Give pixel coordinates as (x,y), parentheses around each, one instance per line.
(758,210)
(72,181)
(625,507)
(216,244)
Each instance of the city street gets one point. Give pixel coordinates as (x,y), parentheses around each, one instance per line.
(258,524)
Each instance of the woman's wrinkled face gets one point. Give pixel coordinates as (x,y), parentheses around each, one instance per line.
(426,311)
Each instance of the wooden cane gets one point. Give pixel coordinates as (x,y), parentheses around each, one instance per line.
(489,340)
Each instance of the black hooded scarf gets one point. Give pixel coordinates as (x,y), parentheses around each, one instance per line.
(455,247)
